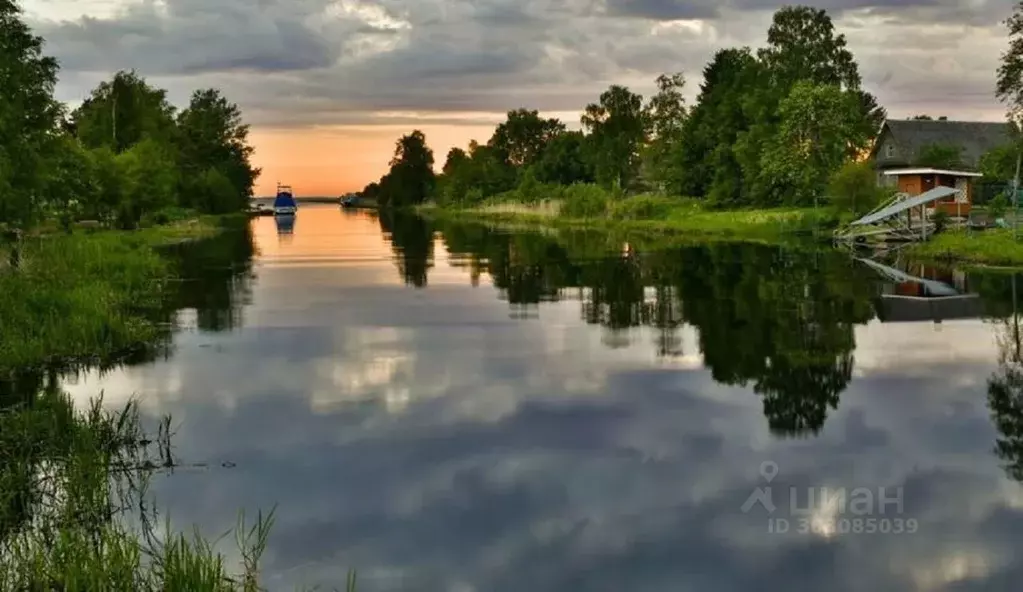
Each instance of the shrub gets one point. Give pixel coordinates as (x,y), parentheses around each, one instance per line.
(584,200)
(998,206)
(853,188)
(167,216)
(643,207)
(473,196)
(940,219)
(529,190)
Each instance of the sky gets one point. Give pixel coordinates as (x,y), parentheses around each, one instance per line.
(329,85)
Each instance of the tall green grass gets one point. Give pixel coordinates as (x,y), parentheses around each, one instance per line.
(71,483)
(87,296)
(994,246)
(79,297)
(592,206)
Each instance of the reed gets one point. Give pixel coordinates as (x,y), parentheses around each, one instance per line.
(71,482)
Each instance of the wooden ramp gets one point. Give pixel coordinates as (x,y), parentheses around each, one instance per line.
(893,220)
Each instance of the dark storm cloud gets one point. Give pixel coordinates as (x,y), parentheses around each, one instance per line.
(665,10)
(188,38)
(320,61)
(950,11)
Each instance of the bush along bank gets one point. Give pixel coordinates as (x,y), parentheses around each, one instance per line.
(589,205)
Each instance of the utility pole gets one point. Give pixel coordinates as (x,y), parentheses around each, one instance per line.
(1015,196)
(113,115)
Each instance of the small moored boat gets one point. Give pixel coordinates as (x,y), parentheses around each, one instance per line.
(261,209)
(284,203)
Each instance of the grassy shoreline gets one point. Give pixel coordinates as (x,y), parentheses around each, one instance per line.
(91,295)
(989,248)
(690,223)
(684,221)
(73,480)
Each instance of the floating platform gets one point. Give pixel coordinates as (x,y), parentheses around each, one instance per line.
(893,220)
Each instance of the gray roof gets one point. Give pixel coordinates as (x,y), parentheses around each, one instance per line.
(975,137)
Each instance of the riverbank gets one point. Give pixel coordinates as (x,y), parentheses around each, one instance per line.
(647,214)
(88,296)
(73,480)
(994,247)
(655,219)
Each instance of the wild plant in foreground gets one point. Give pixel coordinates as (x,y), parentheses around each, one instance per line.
(71,483)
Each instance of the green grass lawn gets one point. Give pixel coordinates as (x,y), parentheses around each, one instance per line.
(994,246)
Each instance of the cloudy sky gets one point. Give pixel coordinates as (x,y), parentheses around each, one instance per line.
(328,85)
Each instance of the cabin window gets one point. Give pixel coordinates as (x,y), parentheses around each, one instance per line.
(889,150)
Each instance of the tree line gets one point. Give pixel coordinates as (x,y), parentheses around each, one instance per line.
(769,127)
(123,155)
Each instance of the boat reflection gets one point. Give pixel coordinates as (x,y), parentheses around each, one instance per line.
(913,298)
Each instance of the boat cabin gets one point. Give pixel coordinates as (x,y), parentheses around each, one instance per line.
(915,181)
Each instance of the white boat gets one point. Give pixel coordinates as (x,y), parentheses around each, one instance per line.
(284,203)
(261,209)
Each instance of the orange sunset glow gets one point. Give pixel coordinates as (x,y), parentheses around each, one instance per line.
(332,161)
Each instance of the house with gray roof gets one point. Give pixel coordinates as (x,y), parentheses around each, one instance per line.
(900,141)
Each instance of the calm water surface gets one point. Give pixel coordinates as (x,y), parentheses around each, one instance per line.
(450,408)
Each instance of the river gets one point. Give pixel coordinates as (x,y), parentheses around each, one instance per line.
(445,407)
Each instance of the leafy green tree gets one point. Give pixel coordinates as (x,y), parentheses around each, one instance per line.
(1009,84)
(456,159)
(150,178)
(872,114)
(371,191)
(489,172)
(617,131)
(28,118)
(566,160)
(999,163)
(110,185)
(212,191)
(706,159)
(122,112)
(853,188)
(452,184)
(819,124)
(70,184)
(522,138)
(802,45)
(210,134)
(666,117)
(802,48)
(530,189)
(411,178)
(942,156)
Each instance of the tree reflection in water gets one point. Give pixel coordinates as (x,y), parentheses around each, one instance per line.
(411,240)
(1005,390)
(779,319)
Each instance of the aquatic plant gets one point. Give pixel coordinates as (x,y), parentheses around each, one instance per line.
(72,482)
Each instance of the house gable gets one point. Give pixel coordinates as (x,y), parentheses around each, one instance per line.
(886,151)
(901,141)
